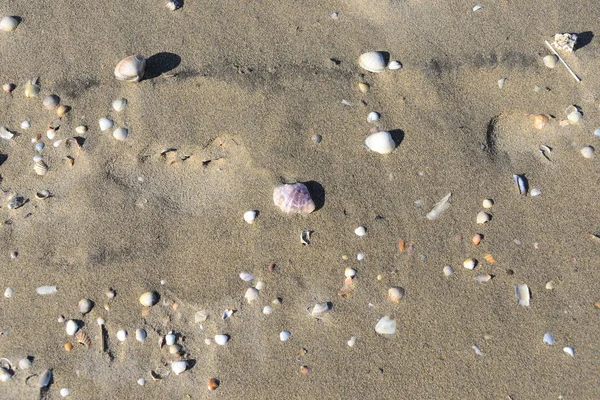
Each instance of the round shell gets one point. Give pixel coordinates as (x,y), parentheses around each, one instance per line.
(131,69)
(293,199)
(8,23)
(394,65)
(487,203)
(149,299)
(319,309)
(470,263)
(483,217)
(122,335)
(587,152)
(550,60)
(140,334)
(250,216)
(51,102)
(284,336)
(251,294)
(119,104)
(395,294)
(574,117)
(120,134)
(221,339)
(105,123)
(179,366)
(40,167)
(85,306)
(360,231)
(381,142)
(72,327)
(386,326)
(540,121)
(372,61)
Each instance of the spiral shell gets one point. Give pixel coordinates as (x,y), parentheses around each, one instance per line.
(293,199)
(131,69)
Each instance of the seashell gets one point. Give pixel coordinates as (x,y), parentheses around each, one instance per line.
(501,82)
(522,292)
(535,192)
(140,334)
(201,316)
(221,339)
(401,245)
(386,326)
(105,123)
(305,237)
(46,290)
(267,310)
(68,346)
(179,367)
(470,263)
(72,327)
(44,194)
(9,87)
(284,336)
(349,273)
(477,8)
(548,339)
(477,239)
(250,216)
(24,363)
(39,146)
(569,350)
(319,309)
(574,117)
(565,41)
(483,278)
(122,335)
(213,384)
(550,285)
(141,381)
(25,125)
(293,198)
(380,142)
(363,87)
(5,133)
(550,60)
(373,117)
(5,375)
(360,256)
(521,182)
(317,138)
(352,341)
(32,89)
(394,65)
(372,61)
(83,338)
(175,349)
(477,350)
(597,132)
(170,339)
(8,23)
(149,299)
(120,134)
(251,294)
(16,202)
(119,104)
(483,217)
(100,321)
(51,134)
(81,129)
(396,293)
(448,270)
(439,207)
(489,258)
(487,203)
(360,231)
(246,277)
(260,285)
(51,102)
(174,5)
(85,306)
(540,121)
(44,379)
(131,69)
(62,110)
(587,152)
(64,392)
(347,289)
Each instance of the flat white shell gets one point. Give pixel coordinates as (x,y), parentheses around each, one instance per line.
(170,339)
(120,134)
(260,285)
(482,217)
(483,278)
(149,299)
(46,289)
(381,142)
(349,272)
(522,293)
(140,334)
(119,104)
(105,123)
(221,339)
(9,292)
(439,207)
(5,133)
(267,310)
(569,350)
(251,294)
(179,366)
(550,60)
(360,231)
(72,327)
(548,339)
(319,309)
(470,263)
(386,326)
(394,65)
(64,392)
(250,216)
(372,117)
(8,23)
(131,68)
(448,270)
(535,192)
(246,277)
(24,363)
(122,335)
(284,336)
(372,61)
(293,198)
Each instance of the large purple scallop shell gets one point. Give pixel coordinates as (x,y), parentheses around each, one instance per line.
(293,199)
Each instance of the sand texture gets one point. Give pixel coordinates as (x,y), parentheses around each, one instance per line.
(233,95)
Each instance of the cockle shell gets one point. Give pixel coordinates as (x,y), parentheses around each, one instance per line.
(62,110)
(131,69)
(179,366)
(8,23)
(251,294)
(587,152)
(380,142)
(32,89)
(149,299)
(284,336)
(140,334)
(9,87)
(40,167)
(386,326)
(85,306)
(83,338)
(395,294)
(122,335)
(550,60)
(105,123)
(120,134)
(483,217)
(119,104)
(294,198)
(51,102)
(372,61)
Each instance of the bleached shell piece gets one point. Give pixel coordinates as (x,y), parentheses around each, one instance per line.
(122,335)
(140,334)
(540,121)
(131,69)
(439,207)
(360,231)
(352,341)
(85,306)
(284,336)
(477,8)
(587,152)
(501,82)
(8,23)
(246,277)
(120,134)
(179,366)
(483,217)
(105,123)
(569,350)
(5,376)
(5,133)
(372,61)
(46,289)
(349,272)
(574,117)
(251,294)
(72,327)
(260,285)
(9,292)
(396,293)
(267,310)
(119,104)
(487,203)
(548,339)
(550,60)
(394,65)
(380,142)
(64,392)
(51,134)
(448,270)
(294,198)
(250,216)
(535,192)
(51,102)
(9,87)
(62,110)
(201,316)
(44,379)
(373,117)
(386,326)
(470,263)
(170,339)
(483,278)
(221,339)
(81,129)
(149,299)
(319,309)
(25,124)
(522,293)
(24,363)
(32,89)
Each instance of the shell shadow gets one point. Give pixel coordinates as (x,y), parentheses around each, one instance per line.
(397,136)
(583,39)
(161,63)
(3,158)
(317,192)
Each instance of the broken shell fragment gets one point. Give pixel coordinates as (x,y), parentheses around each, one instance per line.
(131,69)
(470,263)
(8,23)
(522,293)
(46,289)
(320,309)
(569,350)
(44,194)
(540,121)
(246,277)
(85,306)
(201,316)
(352,341)
(489,258)
(372,61)
(548,339)
(5,133)
(439,207)
(380,142)
(448,270)
(386,326)
(396,293)
(550,60)
(213,384)
(477,239)
(221,339)
(483,217)
(251,294)
(521,182)
(120,134)
(179,367)
(72,327)
(5,375)
(293,198)
(149,299)
(483,278)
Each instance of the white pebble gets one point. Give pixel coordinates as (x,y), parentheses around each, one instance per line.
(8,293)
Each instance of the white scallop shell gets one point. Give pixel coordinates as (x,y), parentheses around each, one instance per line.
(85,306)
(221,339)
(72,327)
(372,61)
(179,366)
(246,277)
(131,68)
(149,299)
(284,336)
(119,104)
(251,294)
(250,216)
(381,142)
(120,134)
(140,334)
(386,326)
(122,335)
(105,123)
(8,23)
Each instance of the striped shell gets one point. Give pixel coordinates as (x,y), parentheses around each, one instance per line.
(83,338)
(40,167)
(131,69)
(293,199)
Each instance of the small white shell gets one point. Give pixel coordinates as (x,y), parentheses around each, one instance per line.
(85,306)
(251,294)
(439,207)
(131,69)
(360,256)
(170,339)
(44,379)
(587,152)
(119,104)
(246,277)
(372,61)
(448,270)
(141,381)
(179,366)
(47,289)
(372,117)
(535,192)
(352,341)
(32,89)
(120,134)
(386,326)
(569,350)
(284,336)
(574,117)
(8,23)
(105,123)
(501,82)
(548,339)
(319,309)
(477,8)
(483,278)
(81,129)
(72,327)
(396,293)
(522,293)
(122,335)
(260,285)
(64,392)
(250,216)
(8,87)
(40,167)
(349,272)
(5,133)
(51,134)
(100,321)
(483,217)
(5,376)
(550,60)
(381,142)
(394,65)
(51,102)
(149,299)
(140,334)
(597,132)
(470,263)
(8,293)
(174,5)
(201,316)
(24,363)
(221,339)
(487,203)
(267,310)
(360,231)
(25,124)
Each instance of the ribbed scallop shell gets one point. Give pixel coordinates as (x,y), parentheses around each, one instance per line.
(131,69)
(293,199)
(83,338)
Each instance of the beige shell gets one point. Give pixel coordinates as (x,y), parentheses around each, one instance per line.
(149,299)
(83,338)
(373,61)
(477,239)
(8,23)
(251,294)
(470,263)
(395,294)
(483,217)
(32,89)
(550,60)
(40,167)
(131,69)
(540,121)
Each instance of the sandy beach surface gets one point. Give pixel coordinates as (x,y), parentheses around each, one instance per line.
(232,99)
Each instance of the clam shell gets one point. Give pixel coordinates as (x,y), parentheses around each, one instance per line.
(293,198)
(477,239)
(394,65)
(487,203)
(5,376)
(396,293)
(64,392)
(120,134)
(9,87)
(349,272)
(373,117)
(550,60)
(319,309)
(170,339)
(448,270)
(62,110)
(149,299)
(24,363)
(221,339)
(380,142)
(372,61)
(8,23)
(81,129)
(250,216)
(51,102)
(540,121)
(85,306)
(105,123)
(483,278)
(522,293)
(246,277)
(72,327)
(267,310)
(470,263)
(360,231)
(251,294)
(284,336)
(213,384)
(179,367)
(122,335)
(43,194)
(386,326)
(140,334)
(548,339)
(45,379)
(32,89)
(483,217)
(587,152)
(574,117)
(201,316)
(119,104)
(131,69)
(5,133)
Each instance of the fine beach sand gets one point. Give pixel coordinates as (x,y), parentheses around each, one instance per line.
(237,90)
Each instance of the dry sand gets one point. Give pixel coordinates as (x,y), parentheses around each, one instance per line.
(240,88)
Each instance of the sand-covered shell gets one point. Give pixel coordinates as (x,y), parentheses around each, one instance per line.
(380,142)
(131,69)
(179,367)
(373,61)
(8,23)
(294,198)
(386,326)
(149,299)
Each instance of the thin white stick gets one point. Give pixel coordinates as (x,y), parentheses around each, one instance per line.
(563,61)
